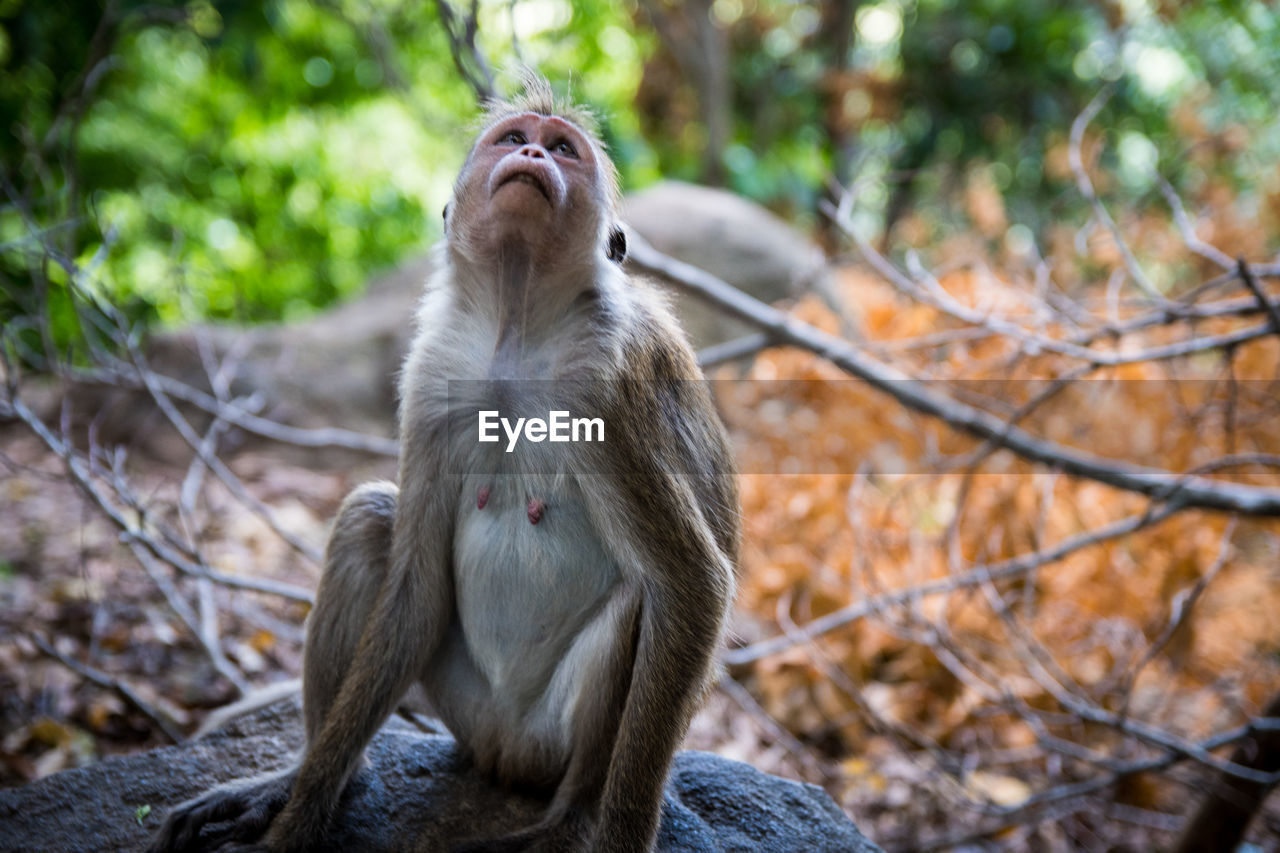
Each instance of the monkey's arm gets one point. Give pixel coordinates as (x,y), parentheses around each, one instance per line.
(377,614)
(403,630)
(669,545)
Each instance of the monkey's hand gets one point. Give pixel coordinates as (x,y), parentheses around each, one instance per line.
(228,819)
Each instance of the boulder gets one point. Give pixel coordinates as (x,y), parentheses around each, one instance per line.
(414,795)
(726,235)
(730,237)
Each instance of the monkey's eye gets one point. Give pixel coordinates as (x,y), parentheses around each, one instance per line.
(565,148)
(513,137)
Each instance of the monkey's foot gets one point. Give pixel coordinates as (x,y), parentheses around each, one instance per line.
(227,819)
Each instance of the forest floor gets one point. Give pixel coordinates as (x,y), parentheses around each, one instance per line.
(105,654)
(69,585)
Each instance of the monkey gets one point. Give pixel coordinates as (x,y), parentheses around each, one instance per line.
(561,610)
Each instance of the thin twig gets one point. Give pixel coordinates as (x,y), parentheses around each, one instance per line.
(976,576)
(126,375)
(1188,231)
(107,682)
(132,531)
(1179,611)
(916,395)
(467,58)
(1251,282)
(1086,189)
(747,345)
(794,748)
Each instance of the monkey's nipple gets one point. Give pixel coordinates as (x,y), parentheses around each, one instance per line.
(535,509)
(482,497)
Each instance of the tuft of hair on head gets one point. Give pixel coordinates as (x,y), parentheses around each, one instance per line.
(537,96)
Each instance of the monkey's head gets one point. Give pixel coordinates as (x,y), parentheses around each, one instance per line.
(537,178)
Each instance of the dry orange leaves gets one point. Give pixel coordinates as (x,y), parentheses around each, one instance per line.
(847,496)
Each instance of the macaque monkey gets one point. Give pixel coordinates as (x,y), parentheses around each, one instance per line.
(561,610)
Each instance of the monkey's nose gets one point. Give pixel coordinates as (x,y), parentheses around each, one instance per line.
(534,151)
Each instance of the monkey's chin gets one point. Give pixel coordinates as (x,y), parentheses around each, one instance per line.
(523,227)
(522,208)
(524,179)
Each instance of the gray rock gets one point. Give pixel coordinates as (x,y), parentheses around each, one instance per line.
(734,239)
(726,235)
(415,795)
(336,369)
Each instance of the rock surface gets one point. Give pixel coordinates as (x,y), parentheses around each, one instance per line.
(735,240)
(726,235)
(414,796)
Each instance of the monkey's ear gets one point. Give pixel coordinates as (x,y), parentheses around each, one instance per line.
(445,213)
(617,251)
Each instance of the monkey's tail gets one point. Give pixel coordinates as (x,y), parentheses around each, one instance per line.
(246,705)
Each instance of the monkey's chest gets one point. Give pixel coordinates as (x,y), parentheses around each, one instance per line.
(530,573)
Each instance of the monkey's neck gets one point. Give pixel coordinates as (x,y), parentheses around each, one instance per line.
(527,298)
(516,298)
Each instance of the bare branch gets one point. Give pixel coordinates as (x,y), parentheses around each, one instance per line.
(1188,231)
(733,350)
(974,577)
(467,57)
(120,688)
(1179,611)
(932,293)
(133,532)
(1251,282)
(784,329)
(207,639)
(127,375)
(795,749)
(1086,189)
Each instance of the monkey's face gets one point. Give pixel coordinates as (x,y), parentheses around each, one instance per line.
(532,179)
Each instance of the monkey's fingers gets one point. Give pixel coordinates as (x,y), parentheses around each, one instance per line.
(258,814)
(182,828)
(223,814)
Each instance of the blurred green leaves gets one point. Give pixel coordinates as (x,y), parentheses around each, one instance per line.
(253,208)
(252,161)
(255,174)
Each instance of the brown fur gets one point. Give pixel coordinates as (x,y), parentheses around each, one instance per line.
(566,656)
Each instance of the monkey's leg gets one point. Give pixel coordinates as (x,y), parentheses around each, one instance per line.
(356,564)
(355,568)
(382,608)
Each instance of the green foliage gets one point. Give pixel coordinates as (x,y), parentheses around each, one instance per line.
(245,164)
(927,88)
(254,208)
(252,161)
(258,173)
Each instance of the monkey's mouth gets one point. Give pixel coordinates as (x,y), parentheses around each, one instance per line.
(529,178)
(536,172)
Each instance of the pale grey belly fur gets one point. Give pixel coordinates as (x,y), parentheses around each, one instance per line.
(534,622)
